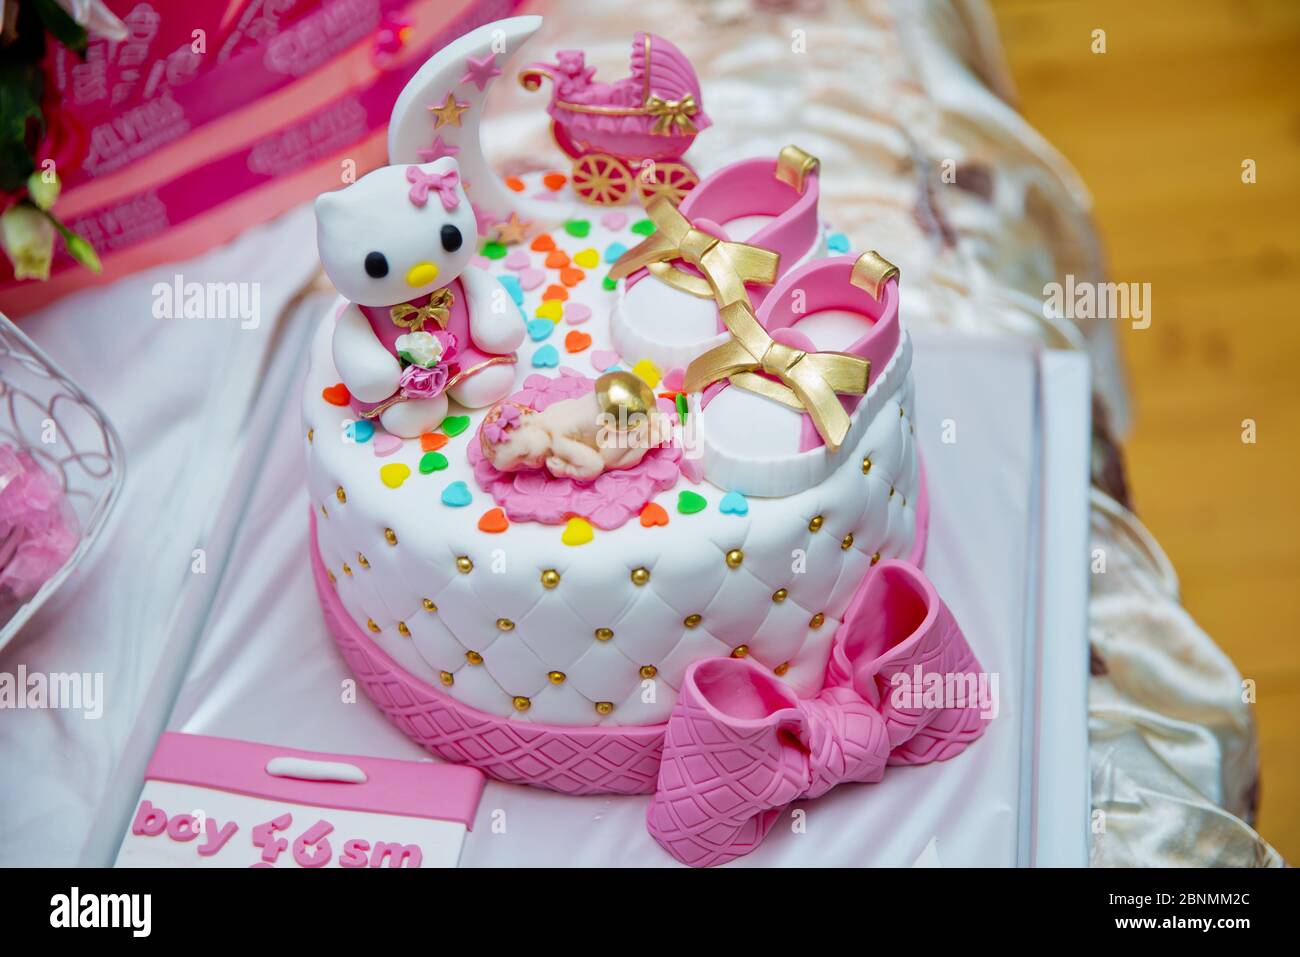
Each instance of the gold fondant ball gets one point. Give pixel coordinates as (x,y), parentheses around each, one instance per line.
(623,395)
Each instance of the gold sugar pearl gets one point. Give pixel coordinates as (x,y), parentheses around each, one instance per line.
(846,542)
(403,630)
(347,569)
(429,606)
(521,703)
(735,557)
(550,578)
(333,580)
(691,621)
(649,671)
(464,565)
(875,557)
(447,678)
(604,634)
(740,651)
(891,491)
(370,623)
(556,677)
(473,657)
(816,523)
(323,512)
(390,536)
(604,707)
(866,465)
(781,669)
(780,595)
(341,495)
(361,560)
(505,624)
(311,434)
(640,576)
(818,620)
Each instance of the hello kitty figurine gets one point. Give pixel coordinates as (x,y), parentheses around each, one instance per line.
(419,325)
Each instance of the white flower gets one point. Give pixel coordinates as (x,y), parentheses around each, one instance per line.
(420,348)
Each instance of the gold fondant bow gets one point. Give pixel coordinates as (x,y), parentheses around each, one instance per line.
(436,310)
(726,266)
(671,115)
(809,381)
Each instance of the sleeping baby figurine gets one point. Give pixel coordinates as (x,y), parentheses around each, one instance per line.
(609,428)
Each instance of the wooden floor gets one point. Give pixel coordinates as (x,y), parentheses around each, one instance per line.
(1159,126)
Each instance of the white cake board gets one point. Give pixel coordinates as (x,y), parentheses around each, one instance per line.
(1008,550)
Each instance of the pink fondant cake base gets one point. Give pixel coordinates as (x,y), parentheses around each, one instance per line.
(572,760)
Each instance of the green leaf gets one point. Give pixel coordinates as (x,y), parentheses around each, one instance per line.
(78,247)
(61,25)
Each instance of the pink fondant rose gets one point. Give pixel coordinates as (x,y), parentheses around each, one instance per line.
(417,382)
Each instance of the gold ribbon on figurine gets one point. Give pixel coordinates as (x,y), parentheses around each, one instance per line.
(672,116)
(436,310)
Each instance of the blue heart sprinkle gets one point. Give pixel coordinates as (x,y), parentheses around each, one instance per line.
(546,357)
(512,286)
(733,503)
(539,329)
(837,243)
(361,431)
(456,495)
(613,251)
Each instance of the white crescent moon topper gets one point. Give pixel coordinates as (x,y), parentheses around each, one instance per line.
(440,111)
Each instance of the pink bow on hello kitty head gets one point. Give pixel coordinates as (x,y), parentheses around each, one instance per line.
(443,183)
(506,418)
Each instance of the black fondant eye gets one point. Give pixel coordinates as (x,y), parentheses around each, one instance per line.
(451,238)
(376,265)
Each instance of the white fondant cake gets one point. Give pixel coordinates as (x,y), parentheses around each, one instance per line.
(519,624)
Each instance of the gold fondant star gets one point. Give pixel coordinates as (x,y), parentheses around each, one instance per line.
(449,113)
(513,230)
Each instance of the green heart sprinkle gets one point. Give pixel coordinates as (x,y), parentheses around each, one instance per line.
(493,250)
(455,424)
(688,503)
(578,227)
(609,284)
(682,407)
(432,462)
(643,227)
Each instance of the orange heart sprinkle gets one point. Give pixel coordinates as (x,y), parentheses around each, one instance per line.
(576,341)
(432,441)
(555,181)
(556,292)
(653,514)
(542,244)
(515,183)
(493,521)
(557,259)
(571,277)
(336,394)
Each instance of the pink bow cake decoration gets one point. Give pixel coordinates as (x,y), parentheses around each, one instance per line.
(444,184)
(498,427)
(740,746)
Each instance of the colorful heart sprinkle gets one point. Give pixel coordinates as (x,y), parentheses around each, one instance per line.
(518,259)
(653,514)
(692,469)
(556,292)
(513,287)
(673,379)
(542,244)
(554,181)
(336,394)
(531,279)
(576,341)
(386,444)
(571,277)
(643,227)
(577,532)
(551,309)
(432,441)
(609,284)
(515,183)
(837,243)
(603,359)
(577,228)
(432,462)
(682,407)
(493,521)
(614,219)
(493,250)
(546,357)
(394,474)
(647,371)
(587,259)
(539,329)
(733,503)
(360,431)
(557,259)
(575,313)
(613,251)
(456,495)
(455,424)
(688,503)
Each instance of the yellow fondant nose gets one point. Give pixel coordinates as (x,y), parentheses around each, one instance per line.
(422,274)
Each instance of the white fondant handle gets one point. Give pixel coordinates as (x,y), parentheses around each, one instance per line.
(307,769)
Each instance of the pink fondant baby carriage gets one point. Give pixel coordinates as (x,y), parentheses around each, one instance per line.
(630,134)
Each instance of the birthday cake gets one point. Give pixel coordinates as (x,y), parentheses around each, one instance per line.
(613,465)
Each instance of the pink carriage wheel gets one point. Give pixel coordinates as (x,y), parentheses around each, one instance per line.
(673,180)
(601,179)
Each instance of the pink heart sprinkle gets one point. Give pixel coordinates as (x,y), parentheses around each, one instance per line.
(570,371)
(575,314)
(614,219)
(385,444)
(692,468)
(673,379)
(548,195)
(518,259)
(531,278)
(602,359)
